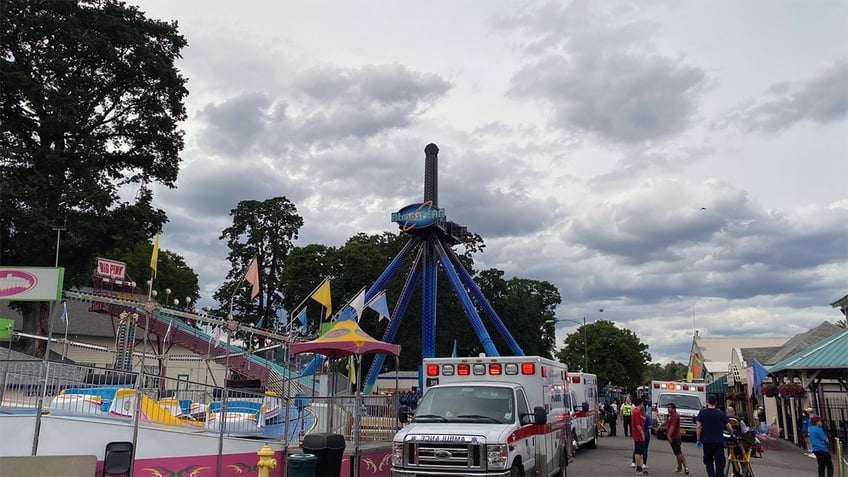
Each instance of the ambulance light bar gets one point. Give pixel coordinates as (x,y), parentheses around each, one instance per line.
(679,387)
(482,369)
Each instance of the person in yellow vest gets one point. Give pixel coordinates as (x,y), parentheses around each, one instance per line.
(626,411)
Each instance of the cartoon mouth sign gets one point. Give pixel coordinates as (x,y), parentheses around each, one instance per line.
(16,282)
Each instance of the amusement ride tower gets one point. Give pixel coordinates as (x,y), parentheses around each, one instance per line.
(431,240)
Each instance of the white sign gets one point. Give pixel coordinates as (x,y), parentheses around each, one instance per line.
(31,283)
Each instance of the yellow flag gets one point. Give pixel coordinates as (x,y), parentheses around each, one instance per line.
(154,257)
(351,370)
(322,296)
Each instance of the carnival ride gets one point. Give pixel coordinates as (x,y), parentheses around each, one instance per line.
(432,237)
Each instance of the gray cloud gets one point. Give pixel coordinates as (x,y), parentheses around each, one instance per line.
(600,75)
(821,99)
(620,96)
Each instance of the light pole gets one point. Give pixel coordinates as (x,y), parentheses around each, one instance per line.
(583,329)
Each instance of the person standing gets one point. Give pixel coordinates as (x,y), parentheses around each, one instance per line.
(626,410)
(819,442)
(647,426)
(637,432)
(672,426)
(805,431)
(609,411)
(711,422)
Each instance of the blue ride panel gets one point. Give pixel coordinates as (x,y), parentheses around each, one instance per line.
(428,303)
(473,317)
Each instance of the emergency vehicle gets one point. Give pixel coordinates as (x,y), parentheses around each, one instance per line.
(486,416)
(689,398)
(582,403)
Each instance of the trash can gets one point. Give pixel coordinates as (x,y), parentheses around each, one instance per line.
(301,465)
(329,449)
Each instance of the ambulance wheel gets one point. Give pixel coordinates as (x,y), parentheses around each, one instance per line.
(593,444)
(516,471)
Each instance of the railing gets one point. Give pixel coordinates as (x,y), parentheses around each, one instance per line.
(177,403)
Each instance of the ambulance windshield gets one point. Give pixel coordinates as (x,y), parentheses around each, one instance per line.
(477,404)
(682,401)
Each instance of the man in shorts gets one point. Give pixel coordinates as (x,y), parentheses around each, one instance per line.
(672,426)
(637,432)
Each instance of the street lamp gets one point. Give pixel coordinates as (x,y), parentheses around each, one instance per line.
(585,356)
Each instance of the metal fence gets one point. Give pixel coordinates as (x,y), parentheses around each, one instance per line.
(108,393)
(834,414)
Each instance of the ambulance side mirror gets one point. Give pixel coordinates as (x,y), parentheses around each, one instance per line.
(585,407)
(403,414)
(540,415)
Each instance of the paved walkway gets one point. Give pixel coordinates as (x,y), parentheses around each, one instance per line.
(613,457)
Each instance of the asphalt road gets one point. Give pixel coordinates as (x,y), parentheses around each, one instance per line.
(613,455)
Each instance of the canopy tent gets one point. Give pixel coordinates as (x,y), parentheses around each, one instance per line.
(344,339)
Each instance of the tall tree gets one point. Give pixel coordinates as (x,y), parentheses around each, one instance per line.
(264,230)
(617,356)
(91,101)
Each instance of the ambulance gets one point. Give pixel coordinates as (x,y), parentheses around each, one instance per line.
(689,398)
(486,417)
(582,404)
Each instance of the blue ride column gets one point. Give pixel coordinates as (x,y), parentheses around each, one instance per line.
(428,303)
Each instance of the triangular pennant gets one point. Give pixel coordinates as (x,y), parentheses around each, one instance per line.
(379,304)
(252,277)
(358,304)
(322,296)
(301,317)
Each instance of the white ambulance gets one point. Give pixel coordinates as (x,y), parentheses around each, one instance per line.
(689,398)
(486,416)
(582,404)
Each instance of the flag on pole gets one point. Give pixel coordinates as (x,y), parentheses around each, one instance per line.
(217,334)
(301,317)
(379,304)
(252,277)
(351,370)
(154,257)
(64,316)
(358,304)
(760,374)
(322,296)
(170,328)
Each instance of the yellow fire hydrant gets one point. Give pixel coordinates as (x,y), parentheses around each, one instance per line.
(267,462)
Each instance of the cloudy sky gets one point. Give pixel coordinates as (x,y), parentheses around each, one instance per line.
(678,165)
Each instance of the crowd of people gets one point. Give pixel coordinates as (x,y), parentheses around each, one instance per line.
(713,425)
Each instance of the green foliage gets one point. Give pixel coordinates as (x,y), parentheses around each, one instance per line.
(172,273)
(91,103)
(265,230)
(617,356)
(672,371)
